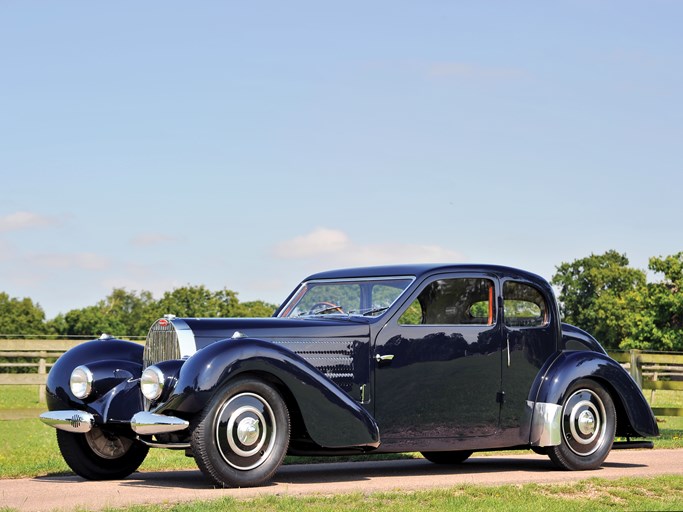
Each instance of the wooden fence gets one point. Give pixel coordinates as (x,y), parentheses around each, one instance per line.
(654,371)
(38,354)
(651,370)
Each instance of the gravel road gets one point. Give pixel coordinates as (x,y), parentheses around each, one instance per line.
(56,493)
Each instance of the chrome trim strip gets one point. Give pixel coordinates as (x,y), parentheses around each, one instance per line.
(546,424)
(79,422)
(185,337)
(168,446)
(147,423)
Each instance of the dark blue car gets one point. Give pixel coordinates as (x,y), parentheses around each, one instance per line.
(440,359)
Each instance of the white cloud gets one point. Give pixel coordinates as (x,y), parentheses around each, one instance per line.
(339,250)
(317,243)
(82,260)
(7,251)
(151,239)
(24,220)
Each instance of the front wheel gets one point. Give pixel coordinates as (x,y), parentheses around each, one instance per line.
(588,427)
(241,437)
(101,455)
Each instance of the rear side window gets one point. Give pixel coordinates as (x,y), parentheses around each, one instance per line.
(524,305)
(459,301)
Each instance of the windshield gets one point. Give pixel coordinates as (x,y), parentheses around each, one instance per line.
(362,297)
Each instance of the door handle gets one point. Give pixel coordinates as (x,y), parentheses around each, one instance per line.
(507,340)
(387,357)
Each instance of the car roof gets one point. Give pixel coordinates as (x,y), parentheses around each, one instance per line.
(419,270)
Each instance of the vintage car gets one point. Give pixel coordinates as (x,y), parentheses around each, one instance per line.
(439,359)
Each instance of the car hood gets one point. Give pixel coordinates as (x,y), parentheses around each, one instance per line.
(192,334)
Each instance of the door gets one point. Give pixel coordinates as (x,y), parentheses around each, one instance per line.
(438,363)
(530,338)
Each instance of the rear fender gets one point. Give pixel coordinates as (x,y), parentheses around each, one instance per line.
(332,418)
(635,417)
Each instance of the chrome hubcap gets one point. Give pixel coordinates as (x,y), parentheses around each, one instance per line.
(583,422)
(586,423)
(248,431)
(245,431)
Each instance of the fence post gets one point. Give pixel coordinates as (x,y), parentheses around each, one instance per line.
(636,369)
(42,370)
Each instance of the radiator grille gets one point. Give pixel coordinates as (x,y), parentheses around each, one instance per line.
(162,343)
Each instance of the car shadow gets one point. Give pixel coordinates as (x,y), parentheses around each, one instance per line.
(340,472)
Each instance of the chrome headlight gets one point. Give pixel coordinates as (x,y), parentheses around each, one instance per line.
(152,383)
(80,381)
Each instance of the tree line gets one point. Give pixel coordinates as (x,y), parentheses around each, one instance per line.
(599,293)
(124,313)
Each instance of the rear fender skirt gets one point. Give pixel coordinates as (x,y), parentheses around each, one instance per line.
(332,418)
(554,380)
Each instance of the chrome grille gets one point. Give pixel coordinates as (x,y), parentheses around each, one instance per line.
(162,343)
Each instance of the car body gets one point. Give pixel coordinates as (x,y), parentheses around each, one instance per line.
(440,359)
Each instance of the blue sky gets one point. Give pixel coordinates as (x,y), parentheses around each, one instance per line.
(151,145)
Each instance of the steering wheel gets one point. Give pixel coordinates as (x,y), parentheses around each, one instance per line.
(326,306)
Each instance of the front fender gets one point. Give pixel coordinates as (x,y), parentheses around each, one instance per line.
(116,364)
(332,418)
(635,417)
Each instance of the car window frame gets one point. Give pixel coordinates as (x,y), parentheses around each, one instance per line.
(450,275)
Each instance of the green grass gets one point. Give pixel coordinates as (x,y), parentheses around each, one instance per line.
(19,397)
(670,427)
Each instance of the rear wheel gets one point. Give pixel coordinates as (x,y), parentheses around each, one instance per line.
(101,455)
(241,437)
(588,427)
(447,457)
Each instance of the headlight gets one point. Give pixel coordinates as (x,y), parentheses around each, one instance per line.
(80,381)
(152,383)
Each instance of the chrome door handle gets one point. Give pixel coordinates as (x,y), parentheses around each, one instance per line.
(387,357)
(507,341)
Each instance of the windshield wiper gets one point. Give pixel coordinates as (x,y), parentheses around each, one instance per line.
(369,312)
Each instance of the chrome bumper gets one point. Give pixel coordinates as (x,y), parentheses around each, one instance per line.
(71,421)
(143,423)
(147,423)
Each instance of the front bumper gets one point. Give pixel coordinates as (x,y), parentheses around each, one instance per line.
(147,423)
(142,423)
(79,422)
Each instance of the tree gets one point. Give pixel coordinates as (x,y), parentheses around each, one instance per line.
(20,316)
(122,313)
(664,329)
(598,292)
(197,301)
(254,309)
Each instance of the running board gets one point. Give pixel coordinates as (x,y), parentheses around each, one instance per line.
(630,445)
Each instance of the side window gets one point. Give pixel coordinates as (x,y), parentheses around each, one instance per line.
(460,301)
(524,306)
